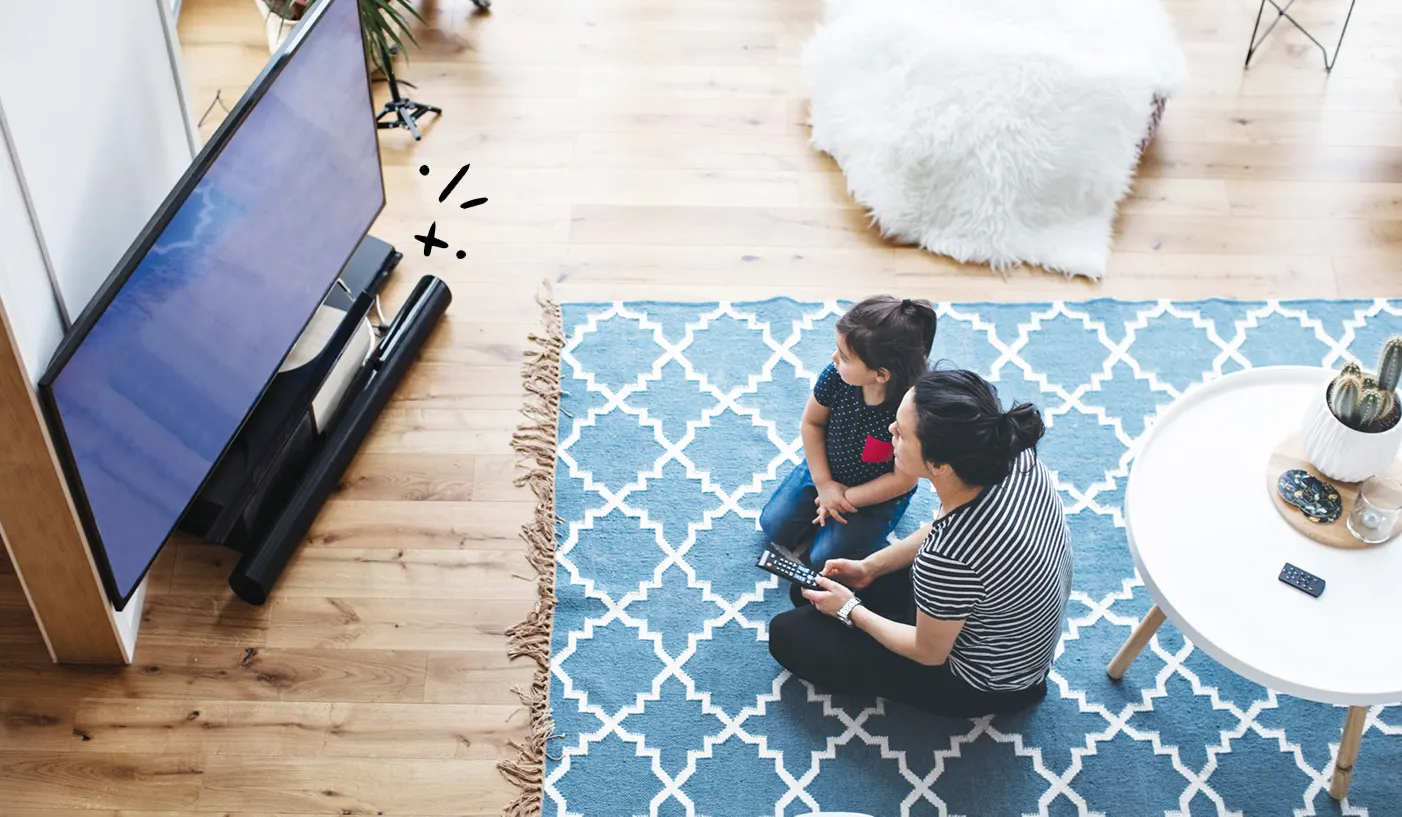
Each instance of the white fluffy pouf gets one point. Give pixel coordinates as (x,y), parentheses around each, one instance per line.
(1002,132)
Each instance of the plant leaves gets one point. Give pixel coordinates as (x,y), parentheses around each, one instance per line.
(410,8)
(383,23)
(389,9)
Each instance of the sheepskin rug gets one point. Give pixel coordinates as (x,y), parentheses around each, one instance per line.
(1002,132)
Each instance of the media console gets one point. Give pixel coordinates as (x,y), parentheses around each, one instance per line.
(293,449)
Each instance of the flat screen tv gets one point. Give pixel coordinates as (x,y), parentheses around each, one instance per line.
(174,351)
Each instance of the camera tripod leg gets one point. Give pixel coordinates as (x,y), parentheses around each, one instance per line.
(408,122)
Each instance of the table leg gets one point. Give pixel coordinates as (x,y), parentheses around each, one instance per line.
(1137,639)
(1348,751)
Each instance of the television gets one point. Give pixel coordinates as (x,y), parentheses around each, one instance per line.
(176,348)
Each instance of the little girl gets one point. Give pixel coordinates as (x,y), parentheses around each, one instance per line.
(847,493)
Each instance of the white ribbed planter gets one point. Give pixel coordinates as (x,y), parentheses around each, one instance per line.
(1342,453)
(275,28)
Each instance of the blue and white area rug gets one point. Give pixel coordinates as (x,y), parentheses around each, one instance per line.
(677,421)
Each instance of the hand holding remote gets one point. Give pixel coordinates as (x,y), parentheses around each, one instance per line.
(830,596)
(856,574)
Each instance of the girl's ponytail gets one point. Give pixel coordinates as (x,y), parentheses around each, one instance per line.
(897,335)
(922,314)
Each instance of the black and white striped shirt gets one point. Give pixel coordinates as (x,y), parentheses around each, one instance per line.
(1001,562)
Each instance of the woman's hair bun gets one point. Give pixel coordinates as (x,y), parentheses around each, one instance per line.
(1023,427)
(961,423)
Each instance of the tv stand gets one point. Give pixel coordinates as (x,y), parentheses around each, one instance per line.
(290,454)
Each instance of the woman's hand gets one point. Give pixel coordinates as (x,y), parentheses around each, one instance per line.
(856,574)
(831,598)
(832,502)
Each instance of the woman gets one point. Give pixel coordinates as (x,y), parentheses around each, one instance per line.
(962,618)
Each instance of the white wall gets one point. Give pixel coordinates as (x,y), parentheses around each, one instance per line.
(97,131)
(96,118)
(24,284)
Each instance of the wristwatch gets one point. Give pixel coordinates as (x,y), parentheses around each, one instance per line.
(844,615)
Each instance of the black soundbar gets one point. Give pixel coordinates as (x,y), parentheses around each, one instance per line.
(258,571)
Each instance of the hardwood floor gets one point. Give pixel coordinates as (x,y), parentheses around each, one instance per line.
(629,149)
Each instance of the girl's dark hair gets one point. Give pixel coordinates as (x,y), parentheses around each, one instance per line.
(892,334)
(961,423)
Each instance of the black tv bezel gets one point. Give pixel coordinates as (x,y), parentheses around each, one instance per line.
(137,251)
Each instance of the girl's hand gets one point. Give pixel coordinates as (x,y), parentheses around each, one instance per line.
(832,499)
(856,574)
(831,598)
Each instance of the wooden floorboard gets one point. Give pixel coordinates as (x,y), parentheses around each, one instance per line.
(648,149)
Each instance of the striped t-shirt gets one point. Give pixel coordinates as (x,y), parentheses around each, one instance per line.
(1001,562)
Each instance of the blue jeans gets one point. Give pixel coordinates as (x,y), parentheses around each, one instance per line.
(788,517)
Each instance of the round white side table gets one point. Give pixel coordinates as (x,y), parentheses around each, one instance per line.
(1210,546)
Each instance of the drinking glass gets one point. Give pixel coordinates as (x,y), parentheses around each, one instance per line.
(1376,510)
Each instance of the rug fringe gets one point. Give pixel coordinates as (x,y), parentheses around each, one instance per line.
(534,443)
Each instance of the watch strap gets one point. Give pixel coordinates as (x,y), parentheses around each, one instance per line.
(844,615)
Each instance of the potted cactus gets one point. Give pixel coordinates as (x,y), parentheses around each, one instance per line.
(1352,431)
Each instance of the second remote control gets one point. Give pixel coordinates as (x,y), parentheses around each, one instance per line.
(1302,580)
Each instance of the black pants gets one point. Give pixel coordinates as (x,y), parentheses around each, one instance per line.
(834,658)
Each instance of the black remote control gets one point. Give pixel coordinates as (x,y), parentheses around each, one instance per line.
(1302,580)
(795,572)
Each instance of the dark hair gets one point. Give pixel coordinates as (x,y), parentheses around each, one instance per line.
(961,423)
(892,334)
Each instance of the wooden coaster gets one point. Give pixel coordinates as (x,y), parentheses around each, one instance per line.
(1289,455)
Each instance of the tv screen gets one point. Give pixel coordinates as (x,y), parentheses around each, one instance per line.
(174,353)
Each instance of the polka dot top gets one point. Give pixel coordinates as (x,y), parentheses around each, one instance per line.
(858,436)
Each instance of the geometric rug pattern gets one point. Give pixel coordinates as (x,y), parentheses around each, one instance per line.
(677,422)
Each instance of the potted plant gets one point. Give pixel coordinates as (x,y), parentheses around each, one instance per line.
(383,23)
(1351,432)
